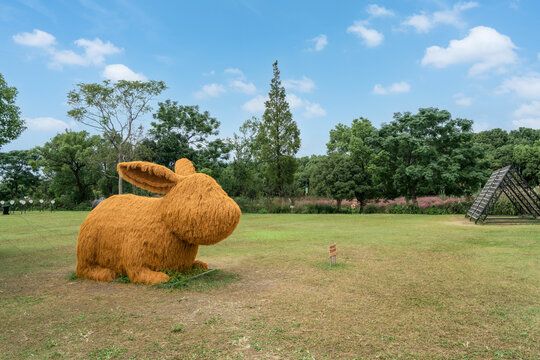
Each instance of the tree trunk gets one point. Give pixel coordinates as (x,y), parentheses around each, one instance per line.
(119,177)
(339,204)
(79,185)
(412,191)
(14,194)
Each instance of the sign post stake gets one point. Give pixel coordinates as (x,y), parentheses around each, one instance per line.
(332,252)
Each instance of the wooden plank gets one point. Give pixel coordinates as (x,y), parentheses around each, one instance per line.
(332,250)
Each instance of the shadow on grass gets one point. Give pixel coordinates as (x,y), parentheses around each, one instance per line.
(196,279)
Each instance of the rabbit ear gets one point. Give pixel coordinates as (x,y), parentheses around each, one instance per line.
(184,167)
(149,176)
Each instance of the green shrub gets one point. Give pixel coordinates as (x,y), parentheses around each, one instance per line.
(373,209)
(503,206)
(319,209)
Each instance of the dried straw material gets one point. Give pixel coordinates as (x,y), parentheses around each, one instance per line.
(141,236)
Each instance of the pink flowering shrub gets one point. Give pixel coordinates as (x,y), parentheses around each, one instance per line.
(424,202)
(425,205)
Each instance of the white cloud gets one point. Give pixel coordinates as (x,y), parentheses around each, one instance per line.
(294,101)
(94,51)
(395,88)
(255,105)
(527,87)
(66,57)
(424,22)
(484,47)
(378,11)
(38,38)
(235,71)
(463,100)
(303,85)
(528,115)
(311,110)
(538,55)
(239,84)
(210,73)
(479,126)
(528,110)
(421,22)
(117,72)
(243,87)
(210,90)
(527,122)
(320,42)
(314,110)
(48,124)
(371,37)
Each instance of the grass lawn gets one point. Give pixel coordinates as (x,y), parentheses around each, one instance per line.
(405,287)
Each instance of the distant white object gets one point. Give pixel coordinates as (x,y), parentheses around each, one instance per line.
(41,201)
(22,202)
(52,202)
(1,202)
(12,202)
(31,201)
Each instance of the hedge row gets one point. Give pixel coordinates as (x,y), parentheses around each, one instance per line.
(272,206)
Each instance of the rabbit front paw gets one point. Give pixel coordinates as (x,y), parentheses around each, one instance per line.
(147,276)
(199,263)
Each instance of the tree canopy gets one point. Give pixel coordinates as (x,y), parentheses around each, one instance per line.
(18,175)
(430,153)
(69,159)
(278,138)
(334,178)
(360,143)
(181,131)
(11,124)
(113,109)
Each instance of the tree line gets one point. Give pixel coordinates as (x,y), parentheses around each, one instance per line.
(425,153)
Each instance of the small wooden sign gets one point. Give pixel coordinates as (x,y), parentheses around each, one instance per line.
(332,252)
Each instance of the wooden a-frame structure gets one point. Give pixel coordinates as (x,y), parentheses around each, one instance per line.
(508,181)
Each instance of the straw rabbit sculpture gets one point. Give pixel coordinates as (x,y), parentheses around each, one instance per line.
(141,236)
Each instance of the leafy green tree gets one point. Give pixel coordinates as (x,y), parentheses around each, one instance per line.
(524,136)
(360,141)
(11,125)
(516,147)
(18,175)
(113,109)
(69,159)
(184,132)
(104,161)
(278,138)
(307,166)
(429,152)
(527,158)
(333,177)
(244,170)
(497,147)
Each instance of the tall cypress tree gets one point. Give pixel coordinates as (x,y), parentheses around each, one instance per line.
(278,138)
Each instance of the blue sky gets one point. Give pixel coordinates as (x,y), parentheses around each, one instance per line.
(339,60)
